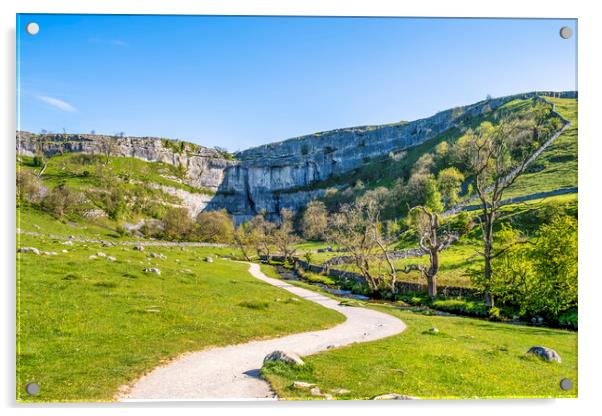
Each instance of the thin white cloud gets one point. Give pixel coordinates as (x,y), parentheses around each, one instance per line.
(119,43)
(56,103)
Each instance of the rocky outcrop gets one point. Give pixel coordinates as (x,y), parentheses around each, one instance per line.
(205,166)
(270,177)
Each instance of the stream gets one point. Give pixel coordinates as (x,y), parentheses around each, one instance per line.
(287,274)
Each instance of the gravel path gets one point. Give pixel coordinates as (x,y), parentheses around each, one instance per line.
(233,372)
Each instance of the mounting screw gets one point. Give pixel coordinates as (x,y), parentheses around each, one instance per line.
(32,28)
(566,384)
(32,389)
(566,32)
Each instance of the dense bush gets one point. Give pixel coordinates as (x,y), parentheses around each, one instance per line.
(215,226)
(540,279)
(178,225)
(63,200)
(29,188)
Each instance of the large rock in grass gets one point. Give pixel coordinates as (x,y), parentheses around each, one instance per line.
(394,396)
(152,270)
(545,353)
(284,357)
(303,385)
(29,250)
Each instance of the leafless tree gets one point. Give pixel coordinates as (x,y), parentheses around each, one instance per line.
(284,235)
(107,147)
(432,240)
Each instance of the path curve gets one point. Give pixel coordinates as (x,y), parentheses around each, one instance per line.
(232,372)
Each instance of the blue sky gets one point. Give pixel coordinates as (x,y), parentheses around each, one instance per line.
(237,82)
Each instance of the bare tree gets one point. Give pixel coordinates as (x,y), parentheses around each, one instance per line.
(357,228)
(432,240)
(107,147)
(261,234)
(350,229)
(314,220)
(284,236)
(245,240)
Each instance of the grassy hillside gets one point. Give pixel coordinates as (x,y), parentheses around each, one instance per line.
(466,359)
(88,325)
(556,167)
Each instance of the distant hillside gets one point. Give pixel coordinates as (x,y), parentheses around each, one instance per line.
(336,165)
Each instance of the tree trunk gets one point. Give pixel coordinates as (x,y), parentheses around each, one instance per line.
(432,286)
(487,256)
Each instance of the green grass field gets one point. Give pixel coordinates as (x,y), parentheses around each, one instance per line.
(85,326)
(467,358)
(556,167)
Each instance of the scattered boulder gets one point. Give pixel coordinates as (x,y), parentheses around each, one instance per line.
(209,259)
(394,396)
(29,250)
(545,353)
(315,391)
(94,213)
(284,357)
(101,254)
(340,391)
(49,253)
(67,243)
(64,251)
(111,258)
(93,257)
(158,256)
(302,385)
(108,244)
(139,248)
(434,330)
(152,270)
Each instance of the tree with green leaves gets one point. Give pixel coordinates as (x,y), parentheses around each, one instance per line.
(215,226)
(495,156)
(538,276)
(314,221)
(178,225)
(449,182)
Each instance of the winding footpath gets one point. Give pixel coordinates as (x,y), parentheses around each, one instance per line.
(232,372)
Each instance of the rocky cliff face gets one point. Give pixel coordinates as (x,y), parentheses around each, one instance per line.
(205,166)
(268,177)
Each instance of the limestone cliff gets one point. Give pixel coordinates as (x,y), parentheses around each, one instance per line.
(276,175)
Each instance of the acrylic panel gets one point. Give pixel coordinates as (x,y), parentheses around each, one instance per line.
(295,208)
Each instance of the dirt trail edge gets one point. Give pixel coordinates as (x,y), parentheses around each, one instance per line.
(232,372)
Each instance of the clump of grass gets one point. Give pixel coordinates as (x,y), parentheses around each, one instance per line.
(105,284)
(72,276)
(131,275)
(254,304)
